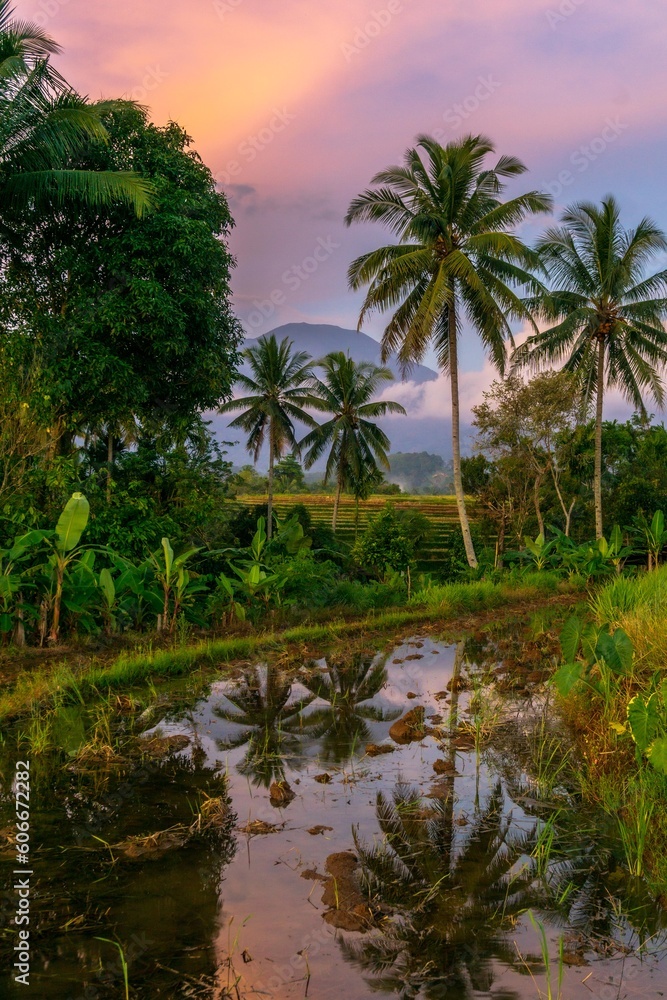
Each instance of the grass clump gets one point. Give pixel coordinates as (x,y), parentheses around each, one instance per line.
(617,770)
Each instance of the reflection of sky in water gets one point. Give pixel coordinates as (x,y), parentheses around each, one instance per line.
(262,886)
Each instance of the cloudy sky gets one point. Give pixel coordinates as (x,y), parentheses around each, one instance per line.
(295,104)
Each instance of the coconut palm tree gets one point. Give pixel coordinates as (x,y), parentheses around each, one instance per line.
(44,125)
(605,313)
(356,444)
(456,258)
(279,387)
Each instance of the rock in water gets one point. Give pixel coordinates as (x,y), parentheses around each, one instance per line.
(348,908)
(410,728)
(280,794)
(375,749)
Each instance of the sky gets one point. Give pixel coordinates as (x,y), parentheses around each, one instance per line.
(295,104)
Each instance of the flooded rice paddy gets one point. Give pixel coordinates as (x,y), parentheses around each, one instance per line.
(394,824)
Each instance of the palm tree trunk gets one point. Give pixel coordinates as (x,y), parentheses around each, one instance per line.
(269,506)
(597,478)
(336,503)
(456,440)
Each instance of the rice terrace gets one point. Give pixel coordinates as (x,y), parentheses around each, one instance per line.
(333,500)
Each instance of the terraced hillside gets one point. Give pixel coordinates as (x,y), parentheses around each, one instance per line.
(440,510)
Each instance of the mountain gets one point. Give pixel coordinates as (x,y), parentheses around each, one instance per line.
(318,339)
(407,434)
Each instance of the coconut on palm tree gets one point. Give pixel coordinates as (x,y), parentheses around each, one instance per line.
(346,390)
(605,314)
(456,258)
(279,387)
(44,125)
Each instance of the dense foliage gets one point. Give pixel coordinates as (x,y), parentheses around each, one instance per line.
(123,320)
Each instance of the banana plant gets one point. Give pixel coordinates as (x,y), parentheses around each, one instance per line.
(64,553)
(14,582)
(591,559)
(107,588)
(539,550)
(614,550)
(653,536)
(137,591)
(257,582)
(80,589)
(222,603)
(289,532)
(179,584)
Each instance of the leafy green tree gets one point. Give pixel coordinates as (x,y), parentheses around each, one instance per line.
(25,415)
(606,312)
(248,480)
(355,443)
(475,473)
(176,487)
(44,125)
(126,319)
(279,388)
(507,498)
(532,421)
(362,486)
(385,545)
(456,256)
(289,477)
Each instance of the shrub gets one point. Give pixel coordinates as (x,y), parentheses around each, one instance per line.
(309,583)
(385,545)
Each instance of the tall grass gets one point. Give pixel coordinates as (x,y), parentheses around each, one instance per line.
(639,606)
(452,598)
(630,790)
(624,595)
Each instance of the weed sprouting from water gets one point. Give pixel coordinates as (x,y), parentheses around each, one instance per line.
(38,737)
(634,825)
(544,844)
(123,963)
(552,992)
(551,761)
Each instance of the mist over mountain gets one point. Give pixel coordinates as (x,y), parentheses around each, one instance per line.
(407,433)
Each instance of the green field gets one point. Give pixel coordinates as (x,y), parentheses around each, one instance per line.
(440,510)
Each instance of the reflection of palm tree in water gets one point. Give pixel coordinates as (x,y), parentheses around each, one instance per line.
(271,722)
(454,904)
(345,686)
